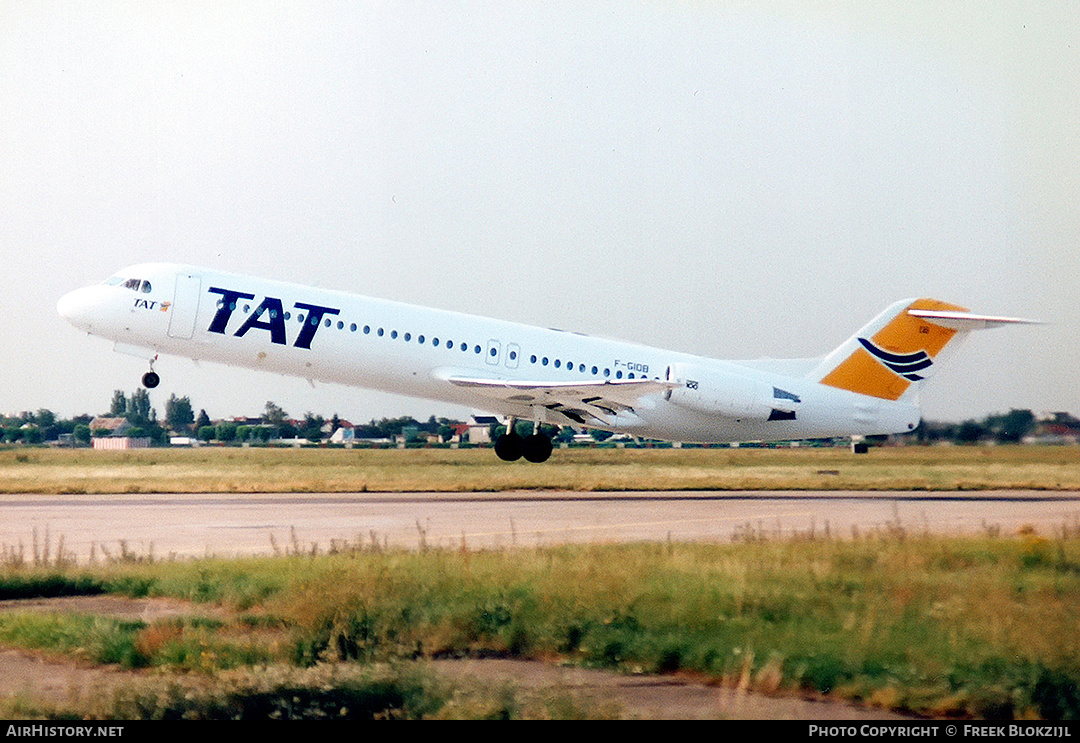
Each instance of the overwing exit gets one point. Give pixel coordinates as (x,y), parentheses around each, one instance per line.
(868,385)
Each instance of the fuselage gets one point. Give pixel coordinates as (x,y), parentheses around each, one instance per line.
(337,337)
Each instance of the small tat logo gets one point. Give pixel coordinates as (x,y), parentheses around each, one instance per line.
(904,364)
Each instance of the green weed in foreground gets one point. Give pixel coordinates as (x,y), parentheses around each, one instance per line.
(978,627)
(339,692)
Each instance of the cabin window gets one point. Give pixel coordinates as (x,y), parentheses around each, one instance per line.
(408,337)
(420,340)
(435,342)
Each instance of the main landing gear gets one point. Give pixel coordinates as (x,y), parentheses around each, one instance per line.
(151,380)
(511,446)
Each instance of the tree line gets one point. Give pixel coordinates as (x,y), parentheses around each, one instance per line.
(275,423)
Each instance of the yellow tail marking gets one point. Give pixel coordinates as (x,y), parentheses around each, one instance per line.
(862,373)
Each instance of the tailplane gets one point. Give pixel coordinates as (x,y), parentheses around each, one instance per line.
(901,347)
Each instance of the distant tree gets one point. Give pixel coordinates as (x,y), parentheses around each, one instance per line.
(970,432)
(46,421)
(312,427)
(1012,427)
(207,433)
(118,407)
(202,421)
(82,434)
(138,410)
(226,431)
(179,415)
(274,417)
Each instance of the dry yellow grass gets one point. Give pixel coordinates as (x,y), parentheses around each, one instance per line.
(229,470)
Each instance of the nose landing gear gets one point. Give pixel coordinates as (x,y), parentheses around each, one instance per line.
(151,380)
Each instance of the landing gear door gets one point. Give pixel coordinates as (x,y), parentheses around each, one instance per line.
(185,306)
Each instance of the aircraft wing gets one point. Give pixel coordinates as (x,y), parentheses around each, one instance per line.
(582,403)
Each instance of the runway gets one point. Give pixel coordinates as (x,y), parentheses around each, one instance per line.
(191,525)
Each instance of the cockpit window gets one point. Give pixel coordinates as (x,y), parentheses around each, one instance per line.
(136,285)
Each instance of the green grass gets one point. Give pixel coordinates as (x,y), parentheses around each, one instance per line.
(229,470)
(980,627)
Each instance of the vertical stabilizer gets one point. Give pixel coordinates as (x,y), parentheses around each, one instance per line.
(892,352)
(901,347)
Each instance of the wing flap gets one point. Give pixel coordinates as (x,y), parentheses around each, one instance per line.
(583,403)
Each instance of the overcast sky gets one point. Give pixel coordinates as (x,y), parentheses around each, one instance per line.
(733,179)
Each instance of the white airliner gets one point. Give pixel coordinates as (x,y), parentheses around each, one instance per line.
(869,385)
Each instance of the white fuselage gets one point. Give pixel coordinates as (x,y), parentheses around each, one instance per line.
(353,340)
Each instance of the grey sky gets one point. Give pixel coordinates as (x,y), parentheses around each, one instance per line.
(730,179)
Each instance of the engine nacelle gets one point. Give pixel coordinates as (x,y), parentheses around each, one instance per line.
(716,392)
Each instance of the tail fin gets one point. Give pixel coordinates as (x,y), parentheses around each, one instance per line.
(901,346)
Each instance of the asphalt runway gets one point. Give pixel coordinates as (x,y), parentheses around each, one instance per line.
(190,525)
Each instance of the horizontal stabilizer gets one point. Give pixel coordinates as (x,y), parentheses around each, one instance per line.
(968,320)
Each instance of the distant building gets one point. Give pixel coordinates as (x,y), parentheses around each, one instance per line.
(478,429)
(121,442)
(343,435)
(104,426)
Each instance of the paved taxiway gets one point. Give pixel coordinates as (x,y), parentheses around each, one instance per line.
(224,524)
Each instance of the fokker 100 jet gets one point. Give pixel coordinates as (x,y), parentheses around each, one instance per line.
(868,385)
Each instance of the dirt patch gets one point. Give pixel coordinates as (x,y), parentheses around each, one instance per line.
(55,681)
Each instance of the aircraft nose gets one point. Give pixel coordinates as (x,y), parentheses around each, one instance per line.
(78,307)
